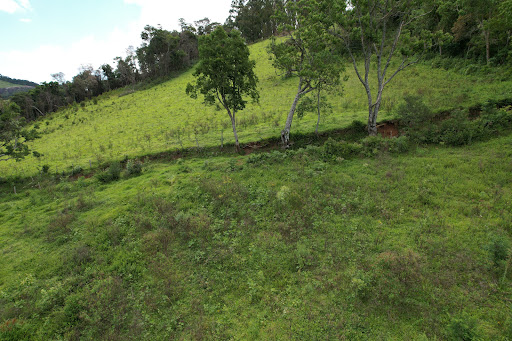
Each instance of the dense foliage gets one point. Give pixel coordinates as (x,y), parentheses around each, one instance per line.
(13,137)
(255,19)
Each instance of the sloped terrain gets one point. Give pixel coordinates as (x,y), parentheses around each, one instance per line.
(135,123)
(359,241)
(266,246)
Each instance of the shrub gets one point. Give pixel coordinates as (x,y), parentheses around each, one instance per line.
(463,327)
(372,145)
(256,158)
(498,248)
(458,130)
(133,168)
(272,157)
(357,126)
(493,119)
(416,119)
(399,144)
(414,112)
(333,149)
(13,330)
(112,173)
(76,170)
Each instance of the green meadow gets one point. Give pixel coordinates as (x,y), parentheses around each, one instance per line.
(109,235)
(134,123)
(267,246)
(4,84)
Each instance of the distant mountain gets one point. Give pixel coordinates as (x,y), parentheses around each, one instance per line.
(16,82)
(10,86)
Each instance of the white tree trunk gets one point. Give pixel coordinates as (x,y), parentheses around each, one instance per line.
(372,119)
(318,110)
(233,124)
(285,134)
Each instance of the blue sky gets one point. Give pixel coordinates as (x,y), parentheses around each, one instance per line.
(41,37)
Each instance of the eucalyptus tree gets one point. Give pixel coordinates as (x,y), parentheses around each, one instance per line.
(307,53)
(376,32)
(225,74)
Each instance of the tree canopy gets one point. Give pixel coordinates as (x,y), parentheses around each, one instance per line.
(308,53)
(13,137)
(225,74)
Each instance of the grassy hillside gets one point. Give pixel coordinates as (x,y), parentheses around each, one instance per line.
(163,117)
(4,84)
(266,246)
(384,244)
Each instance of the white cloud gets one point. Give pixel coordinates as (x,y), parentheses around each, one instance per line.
(167,13)
(38,64)
(26,20)
(11,6)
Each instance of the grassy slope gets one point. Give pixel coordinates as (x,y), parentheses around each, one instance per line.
(148,121)
(4,84)
(392,247)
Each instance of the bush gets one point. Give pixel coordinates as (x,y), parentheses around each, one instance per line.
(458,130)
(499,249)
(372,145)
(463,327)
(357,126)
(413,113)
(76,170)
(399,144)
(494,120)
(133,168)
(416,119)
(13,330)
(45,169)
(272,157)
(112,173)
(333,149)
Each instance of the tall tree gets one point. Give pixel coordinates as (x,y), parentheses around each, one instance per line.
(254,18)
(484,12)
(307,53)
(378,30)
(13,137)
(205,26)
(225,74)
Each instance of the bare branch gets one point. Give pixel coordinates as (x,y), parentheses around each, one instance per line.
(402,67)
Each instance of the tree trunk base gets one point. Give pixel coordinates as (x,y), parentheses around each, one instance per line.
(285,139)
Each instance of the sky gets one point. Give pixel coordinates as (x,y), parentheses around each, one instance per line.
(42,37)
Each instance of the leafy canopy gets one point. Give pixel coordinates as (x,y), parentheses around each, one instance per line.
(12,134)
(224,73)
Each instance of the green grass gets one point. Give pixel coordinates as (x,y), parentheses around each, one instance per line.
(4,84)
(391,247)
(163,118)
(288,245)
